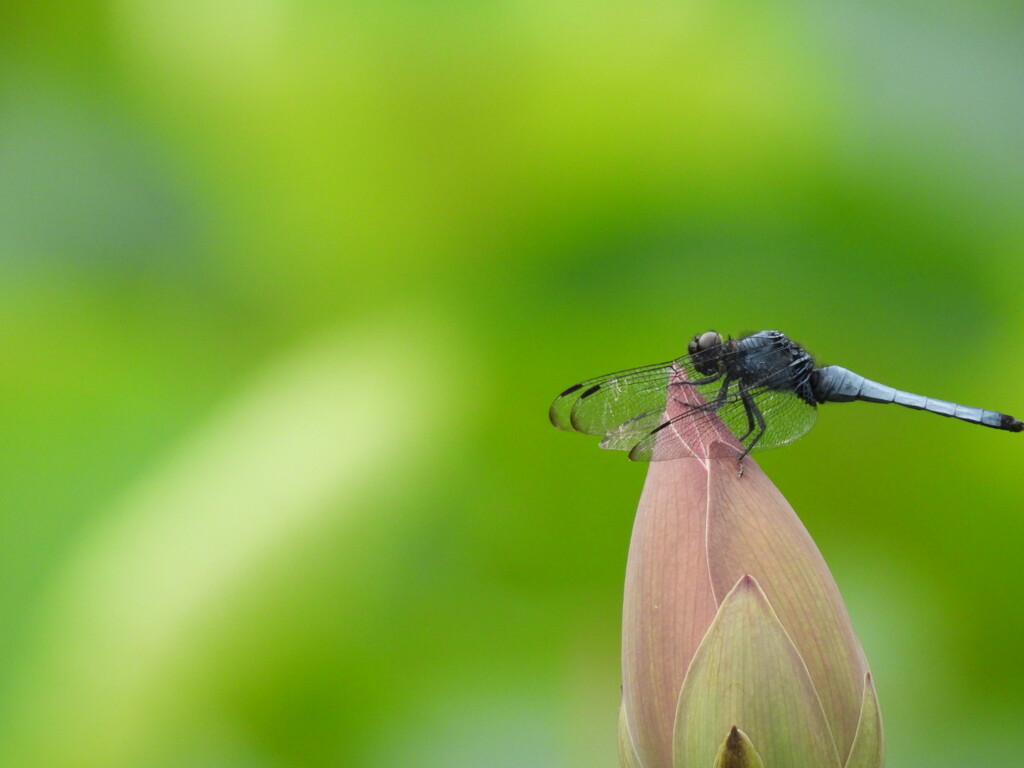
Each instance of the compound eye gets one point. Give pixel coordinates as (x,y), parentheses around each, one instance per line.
(707,340)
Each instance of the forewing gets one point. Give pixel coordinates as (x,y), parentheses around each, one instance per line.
(600,405)
(627,405)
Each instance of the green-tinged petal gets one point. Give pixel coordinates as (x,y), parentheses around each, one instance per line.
(747,672)
(751,528)
(869,743)
(627,753)
(737,751)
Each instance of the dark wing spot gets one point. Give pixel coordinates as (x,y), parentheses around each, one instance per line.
(590,391)
(570,390)
(660,427)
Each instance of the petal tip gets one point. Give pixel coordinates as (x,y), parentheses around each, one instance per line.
(868,749)
(737,751)
(748,582)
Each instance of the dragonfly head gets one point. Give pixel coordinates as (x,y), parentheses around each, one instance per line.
(698,348)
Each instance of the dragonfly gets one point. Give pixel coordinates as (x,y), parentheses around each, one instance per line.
(728,397)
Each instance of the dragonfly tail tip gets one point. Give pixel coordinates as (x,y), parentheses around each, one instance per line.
(1009,423)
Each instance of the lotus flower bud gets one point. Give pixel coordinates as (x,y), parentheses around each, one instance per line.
(737,649)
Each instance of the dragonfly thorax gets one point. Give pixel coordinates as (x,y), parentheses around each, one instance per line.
(771,360)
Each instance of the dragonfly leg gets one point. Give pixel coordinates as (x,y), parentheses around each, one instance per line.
(693,383)
(748,408)
(753,414)
(706,380)
(754,421)
(723,392)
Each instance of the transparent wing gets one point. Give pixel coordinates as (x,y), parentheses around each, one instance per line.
(627,403)
(688,427)
(787,417)
(728,430)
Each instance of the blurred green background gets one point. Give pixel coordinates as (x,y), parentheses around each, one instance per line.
(287,288)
